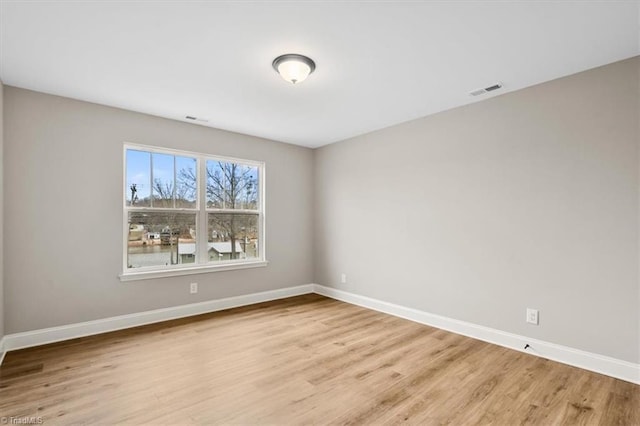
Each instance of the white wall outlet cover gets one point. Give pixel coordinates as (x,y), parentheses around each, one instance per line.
(343,278)
(193,288)
(532,316)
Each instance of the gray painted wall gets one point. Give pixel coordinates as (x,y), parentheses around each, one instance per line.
(1,210)
(529,199)
(63,215)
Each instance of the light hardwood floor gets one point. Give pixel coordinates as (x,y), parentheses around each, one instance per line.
(302,360)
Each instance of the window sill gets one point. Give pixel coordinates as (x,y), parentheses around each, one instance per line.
(146,275)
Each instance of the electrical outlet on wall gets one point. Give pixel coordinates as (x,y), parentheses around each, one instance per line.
(343,278)
(193,288)
(532,316)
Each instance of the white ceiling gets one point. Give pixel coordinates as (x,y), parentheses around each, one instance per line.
(378,63)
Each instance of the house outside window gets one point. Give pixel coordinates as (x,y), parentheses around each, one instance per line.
(190,212)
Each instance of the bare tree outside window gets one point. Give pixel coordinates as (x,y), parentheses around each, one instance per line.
(232,187)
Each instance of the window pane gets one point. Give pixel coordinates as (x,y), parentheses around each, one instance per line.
(159,239)
(138,178)
(186,190)
(233,236)
(163,180)
(231,186)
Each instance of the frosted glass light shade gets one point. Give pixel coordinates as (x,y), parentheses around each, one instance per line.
(294,68)
(294,71)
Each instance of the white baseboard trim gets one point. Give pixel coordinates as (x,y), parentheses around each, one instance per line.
(613,367)
(65,332)
(589,361)
(3,351)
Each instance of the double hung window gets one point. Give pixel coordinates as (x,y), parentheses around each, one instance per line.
(190,212)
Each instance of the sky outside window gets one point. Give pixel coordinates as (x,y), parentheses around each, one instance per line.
(138,167)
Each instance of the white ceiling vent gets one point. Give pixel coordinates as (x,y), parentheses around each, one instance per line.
(192,118)
(478,92)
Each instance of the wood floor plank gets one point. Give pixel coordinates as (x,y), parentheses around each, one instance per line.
(302,360)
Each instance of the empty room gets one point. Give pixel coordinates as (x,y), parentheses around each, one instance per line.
(320,212)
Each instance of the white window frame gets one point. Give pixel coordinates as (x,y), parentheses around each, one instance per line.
(202,265)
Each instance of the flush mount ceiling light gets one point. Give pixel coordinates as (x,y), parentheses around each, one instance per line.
(294,68)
